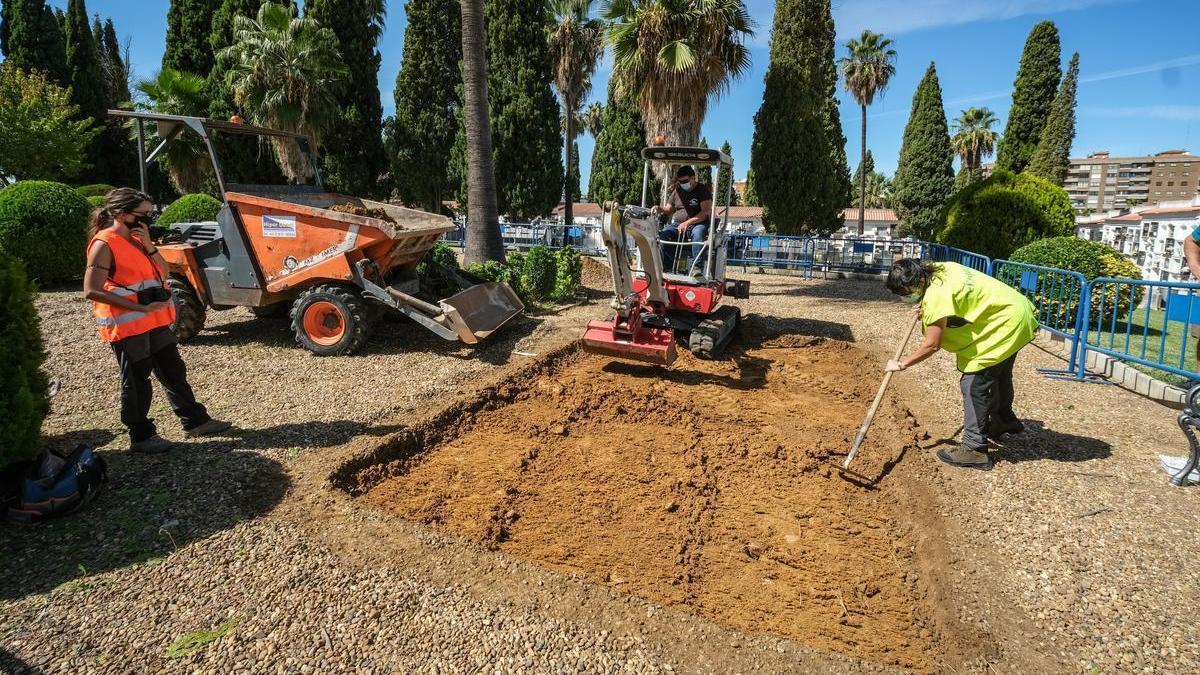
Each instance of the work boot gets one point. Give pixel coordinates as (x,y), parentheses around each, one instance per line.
(964,456)
(155,445)
(996,429)
(208,428)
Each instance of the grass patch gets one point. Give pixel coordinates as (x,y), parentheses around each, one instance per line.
(189,644)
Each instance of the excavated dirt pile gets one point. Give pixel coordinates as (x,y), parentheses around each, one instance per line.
(703,486)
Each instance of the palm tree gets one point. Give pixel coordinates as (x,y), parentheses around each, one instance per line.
(866,69)
(172,92)
(483,220)
(877,193)
(593,118)
(576,43)
(285,71)
(974,139)
(671,55)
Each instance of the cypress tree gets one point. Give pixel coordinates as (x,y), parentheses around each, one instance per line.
(89,89)
(617,159)
(1033,96)
(526,144)
(750,192)
(925,175)
(799,153)
(723,177)
(1053,156)
(354,159)
(118,71)
(189,25)
(421,135)
(33,39)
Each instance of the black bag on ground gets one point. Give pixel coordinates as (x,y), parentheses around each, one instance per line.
(55,485)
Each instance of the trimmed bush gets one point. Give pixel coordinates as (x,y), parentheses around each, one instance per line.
(568,274)
(23,385)
(1092,260)
(193,208)
(508,273)
(44,225)
(539,272)
(96,201)
(1005,212)
(94,190)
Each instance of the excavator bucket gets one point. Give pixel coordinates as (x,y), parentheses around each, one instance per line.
(481,309)
(648,344)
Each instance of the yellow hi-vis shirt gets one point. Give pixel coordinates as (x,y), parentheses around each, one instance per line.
(987,320)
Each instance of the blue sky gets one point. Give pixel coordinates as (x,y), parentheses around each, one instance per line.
(1139,66)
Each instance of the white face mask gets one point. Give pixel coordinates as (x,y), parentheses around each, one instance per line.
(686,185)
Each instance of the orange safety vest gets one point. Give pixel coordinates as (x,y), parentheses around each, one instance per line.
(133,271)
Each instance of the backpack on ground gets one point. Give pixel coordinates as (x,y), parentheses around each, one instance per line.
(55,485)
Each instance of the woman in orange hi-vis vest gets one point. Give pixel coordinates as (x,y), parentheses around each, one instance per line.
(134,313)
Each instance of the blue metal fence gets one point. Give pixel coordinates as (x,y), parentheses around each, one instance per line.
(943,253)
(773,251)
(1124,323)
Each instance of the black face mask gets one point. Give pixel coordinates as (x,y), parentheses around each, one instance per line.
(143,220)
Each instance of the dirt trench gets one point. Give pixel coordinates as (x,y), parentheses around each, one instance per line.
(706,486)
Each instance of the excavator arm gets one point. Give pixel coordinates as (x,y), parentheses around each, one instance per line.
(639,329)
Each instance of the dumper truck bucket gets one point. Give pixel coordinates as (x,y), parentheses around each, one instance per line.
(477,312)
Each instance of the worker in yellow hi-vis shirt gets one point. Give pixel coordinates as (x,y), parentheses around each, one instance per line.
(984,322)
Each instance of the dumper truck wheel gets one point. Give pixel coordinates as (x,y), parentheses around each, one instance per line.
(189,309)
(331,320)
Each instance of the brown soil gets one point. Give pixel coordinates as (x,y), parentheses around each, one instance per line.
(596,274)
(705,486)
(356,210)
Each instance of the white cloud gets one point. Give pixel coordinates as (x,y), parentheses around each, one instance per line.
(1168,65)
(1159,111)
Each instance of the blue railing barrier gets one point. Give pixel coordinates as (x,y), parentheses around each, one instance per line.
(977,262)
(864,255)
(1118,327)
(774,251)
(1059,299)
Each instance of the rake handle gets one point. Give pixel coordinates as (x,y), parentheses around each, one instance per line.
(887,378)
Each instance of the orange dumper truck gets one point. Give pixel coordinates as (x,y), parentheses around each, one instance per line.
(325,257)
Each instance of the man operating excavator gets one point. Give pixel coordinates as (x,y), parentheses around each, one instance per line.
(693,201)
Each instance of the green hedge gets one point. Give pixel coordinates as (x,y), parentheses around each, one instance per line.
(97,201)
(539,272)
(94,190)
(509,274)
(1092,260)
(1005,212)
(193,208)
(569,273)
(23,386)
(44,224)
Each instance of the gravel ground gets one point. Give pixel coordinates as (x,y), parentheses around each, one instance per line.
(1073,555)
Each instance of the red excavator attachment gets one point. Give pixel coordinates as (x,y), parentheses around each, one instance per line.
(630,340)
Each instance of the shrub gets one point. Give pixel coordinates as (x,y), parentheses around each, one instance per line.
(569,273)
(1092,260)
(94,190)
(96,201)
(538,273)
(1003,213)
(193,208)
(23,386)
(431,271)
(509,273)
(44,225)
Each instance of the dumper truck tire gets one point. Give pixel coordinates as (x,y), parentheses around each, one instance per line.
(331,320)
(190,313)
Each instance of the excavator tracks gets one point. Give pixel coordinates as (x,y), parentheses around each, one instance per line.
(710,336)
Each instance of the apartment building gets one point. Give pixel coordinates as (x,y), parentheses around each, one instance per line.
(1100,182)
(1150,236)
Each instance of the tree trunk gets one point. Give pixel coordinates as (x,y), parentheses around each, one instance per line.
(862,176)
(483,221)
(568,207)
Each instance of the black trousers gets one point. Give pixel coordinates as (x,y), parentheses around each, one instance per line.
(137,360)
(987,395)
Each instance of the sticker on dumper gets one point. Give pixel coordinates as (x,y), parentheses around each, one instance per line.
(279,226)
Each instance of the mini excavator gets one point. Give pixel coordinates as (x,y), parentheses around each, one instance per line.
(653,306)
